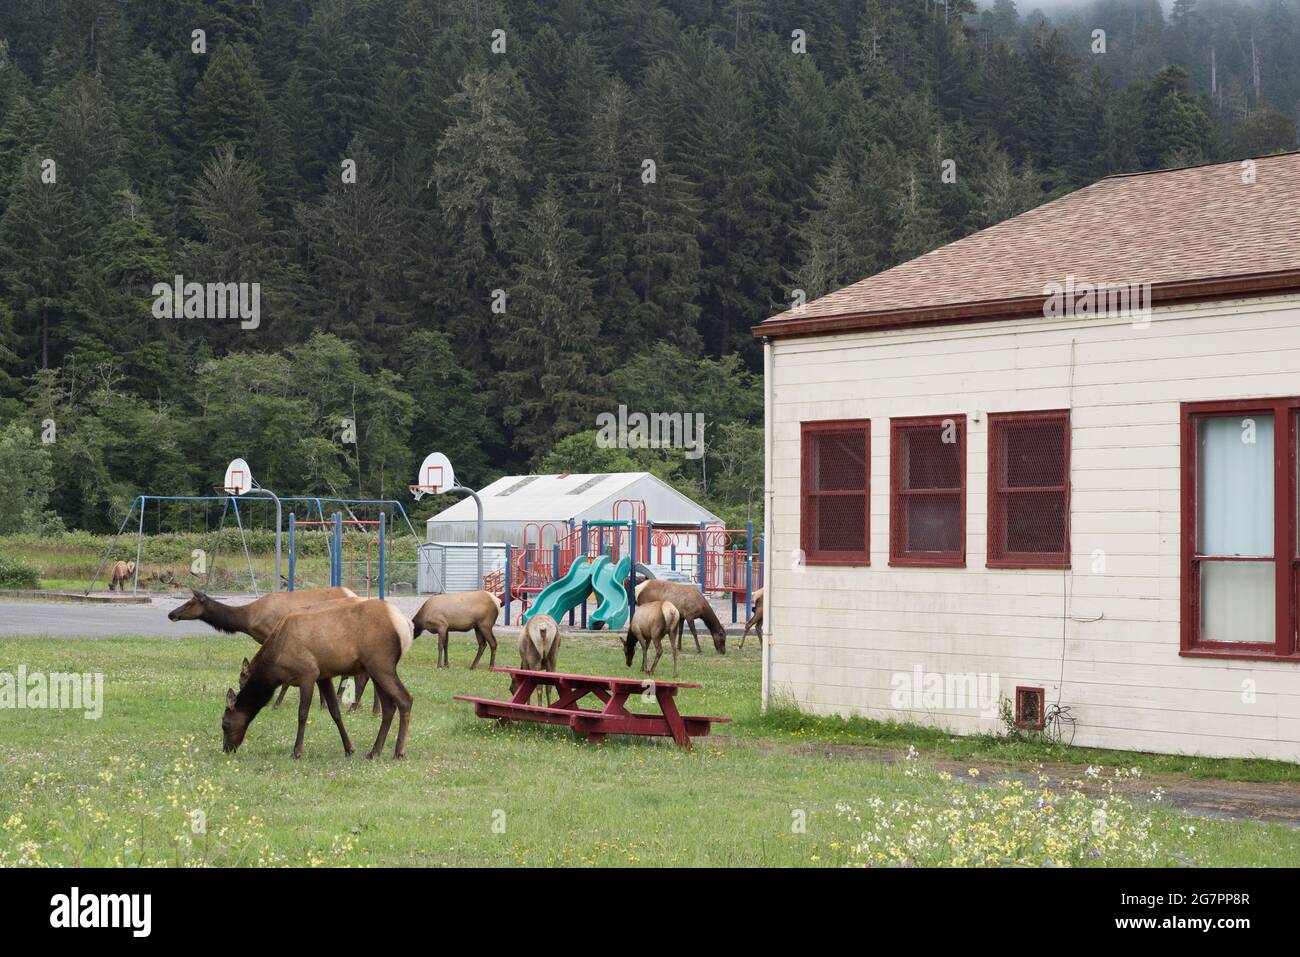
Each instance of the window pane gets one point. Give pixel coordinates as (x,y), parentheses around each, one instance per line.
(1034,522)
(1237,602)
(931,462)
(840,460)
(1033,453)
(933,523)
(1234,485)
(841,523)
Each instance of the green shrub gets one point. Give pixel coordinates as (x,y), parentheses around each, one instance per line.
(16,573)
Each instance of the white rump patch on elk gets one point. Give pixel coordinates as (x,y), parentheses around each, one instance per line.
(402,625)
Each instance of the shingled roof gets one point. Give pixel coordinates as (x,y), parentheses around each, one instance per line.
(1195,234)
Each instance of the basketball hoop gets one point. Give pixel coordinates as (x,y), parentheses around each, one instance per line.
(435,476)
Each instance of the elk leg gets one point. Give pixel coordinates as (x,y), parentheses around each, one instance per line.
(659,651)
(674,648)
(388,705)
(694,634)
(443,660)
(645,647)
(359,688)
(492,643)
(284,690)
(398,696)
(305,694)
(482,646)
(332,702)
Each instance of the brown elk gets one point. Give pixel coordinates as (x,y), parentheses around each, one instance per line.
(692,604)
(755,621)
(475,611)
(257,619)
(121,571)
(309,648)
(539,647)
(652,621)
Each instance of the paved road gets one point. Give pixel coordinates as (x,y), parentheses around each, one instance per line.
(94,621)
(71,620)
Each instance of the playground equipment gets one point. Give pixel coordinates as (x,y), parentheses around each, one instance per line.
(585,576)
(152,506)
(547,571)
(334,526)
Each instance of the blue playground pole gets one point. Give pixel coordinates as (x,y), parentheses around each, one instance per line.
(749,570)
(383,521)
(336,577)
(631,568)
(291,551)
(507,594)
(584,555)
(672,554)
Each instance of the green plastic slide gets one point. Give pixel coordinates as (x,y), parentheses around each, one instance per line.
(559,596)
(609,581)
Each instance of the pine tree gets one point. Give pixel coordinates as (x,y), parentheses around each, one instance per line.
(546,337)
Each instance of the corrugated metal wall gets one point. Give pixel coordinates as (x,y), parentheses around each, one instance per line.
(453,566)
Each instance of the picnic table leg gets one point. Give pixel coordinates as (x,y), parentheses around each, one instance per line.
(523,694)
(676,725)
(613,705)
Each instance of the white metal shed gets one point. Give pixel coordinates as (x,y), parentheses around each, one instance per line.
(512,502)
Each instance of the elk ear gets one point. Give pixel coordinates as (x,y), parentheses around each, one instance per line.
(230,697)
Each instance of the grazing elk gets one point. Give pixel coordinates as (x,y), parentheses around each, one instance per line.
(539,647)
(475,611)
(309,648)
(652,621)
(692,604)
(121,571)
(755,621)
(257,619)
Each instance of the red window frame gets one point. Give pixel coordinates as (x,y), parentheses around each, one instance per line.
(997,555)
(809,434)
(899,496)
(1285,412)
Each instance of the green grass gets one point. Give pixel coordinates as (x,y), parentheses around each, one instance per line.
(120,790)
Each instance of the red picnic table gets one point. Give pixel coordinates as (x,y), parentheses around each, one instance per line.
(613,718)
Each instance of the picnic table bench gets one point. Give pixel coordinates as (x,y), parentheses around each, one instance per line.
(612,718)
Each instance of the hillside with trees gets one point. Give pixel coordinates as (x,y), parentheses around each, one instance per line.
(477,224)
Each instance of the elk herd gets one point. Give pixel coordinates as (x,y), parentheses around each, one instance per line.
(311,637)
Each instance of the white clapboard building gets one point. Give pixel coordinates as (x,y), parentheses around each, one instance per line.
(998,480)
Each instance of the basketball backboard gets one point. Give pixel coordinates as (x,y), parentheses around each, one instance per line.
(239,477)
(435,476)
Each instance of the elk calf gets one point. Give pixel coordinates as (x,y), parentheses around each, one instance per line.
(539,646)
(475,611)
(309,648)
(691,603)
(652,622)
(120,573)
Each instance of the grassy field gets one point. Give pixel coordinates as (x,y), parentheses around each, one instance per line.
(134,786)
(68,562)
